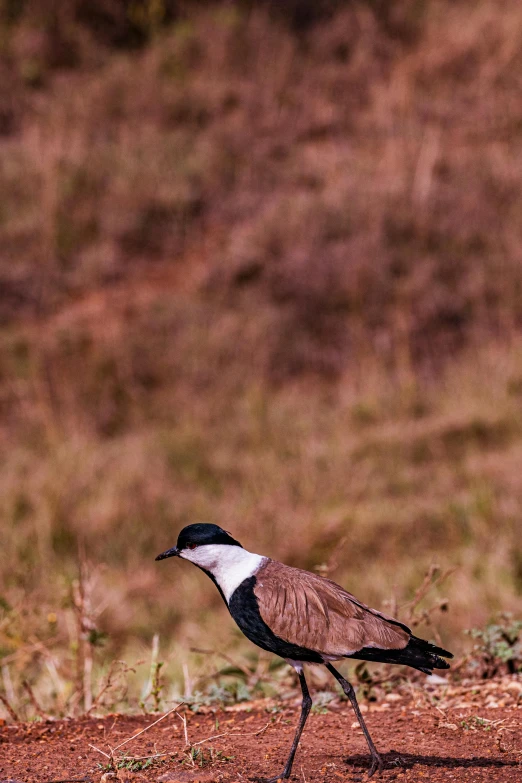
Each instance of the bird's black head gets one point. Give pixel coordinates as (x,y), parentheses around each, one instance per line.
(200,534)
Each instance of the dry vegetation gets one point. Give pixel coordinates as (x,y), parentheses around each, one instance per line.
(261,269)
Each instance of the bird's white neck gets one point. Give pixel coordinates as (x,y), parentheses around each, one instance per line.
(229,565)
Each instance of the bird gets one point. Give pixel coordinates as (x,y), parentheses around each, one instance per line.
(302,617)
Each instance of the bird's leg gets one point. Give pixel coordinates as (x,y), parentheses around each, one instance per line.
(377,762)
(306,706)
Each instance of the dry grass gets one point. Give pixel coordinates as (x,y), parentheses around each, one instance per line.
(320,178)
(369,480)
(270,281)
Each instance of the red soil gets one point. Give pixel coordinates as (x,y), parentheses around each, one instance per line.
(418,744)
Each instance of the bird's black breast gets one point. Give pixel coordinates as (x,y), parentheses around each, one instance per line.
(244,608)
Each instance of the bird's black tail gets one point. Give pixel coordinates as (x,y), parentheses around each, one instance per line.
(424,656)
(418,654)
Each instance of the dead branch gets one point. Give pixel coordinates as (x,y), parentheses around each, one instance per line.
(85,626)
(32,698)
(433,578)
(111,680)
(32,647)
(226,658)
(9,709)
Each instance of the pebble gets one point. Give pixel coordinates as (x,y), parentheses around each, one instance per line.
(436,679)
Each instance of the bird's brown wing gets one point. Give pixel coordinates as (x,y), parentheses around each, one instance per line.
(313,612)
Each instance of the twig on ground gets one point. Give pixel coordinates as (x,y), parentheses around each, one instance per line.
(234,734)
(110,755)
(195,744)
(442,712)
(266,726)
(129,739)
(208,739)
(107,755)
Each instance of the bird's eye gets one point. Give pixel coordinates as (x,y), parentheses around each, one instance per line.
(191,546)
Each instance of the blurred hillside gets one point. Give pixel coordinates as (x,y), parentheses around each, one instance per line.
(260,267)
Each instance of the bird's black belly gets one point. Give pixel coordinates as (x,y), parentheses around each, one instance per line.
(244,609)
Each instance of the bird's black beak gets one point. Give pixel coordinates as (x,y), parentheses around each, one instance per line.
(174,552)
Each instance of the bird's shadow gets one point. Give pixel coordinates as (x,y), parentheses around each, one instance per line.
(396,760)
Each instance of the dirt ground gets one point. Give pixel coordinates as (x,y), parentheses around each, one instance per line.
(418,743)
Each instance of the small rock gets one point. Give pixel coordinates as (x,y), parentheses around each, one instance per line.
(392,697)
(436,679)
(379,707)
(126,776)
(514,688)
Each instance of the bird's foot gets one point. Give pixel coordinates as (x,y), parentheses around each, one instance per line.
(377,765)
(283,776)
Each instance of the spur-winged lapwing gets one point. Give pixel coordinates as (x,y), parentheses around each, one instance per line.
(302,617)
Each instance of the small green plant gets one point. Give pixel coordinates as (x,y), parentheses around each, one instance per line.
(204,757)
(321,700)
(157,685)
(319,709)
(475,722)
(220,756)
(498,646)
(365,682)
(218,694)
(135,765)
(132,764)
